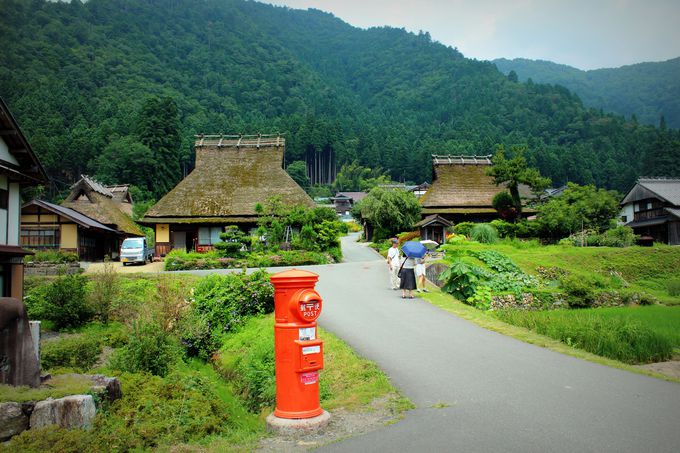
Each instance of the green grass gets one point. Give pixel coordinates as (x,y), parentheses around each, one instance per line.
(629,334)
(643,269)
(347,380)
(487,321)
(57,387)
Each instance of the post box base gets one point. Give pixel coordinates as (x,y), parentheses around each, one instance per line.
(298,425)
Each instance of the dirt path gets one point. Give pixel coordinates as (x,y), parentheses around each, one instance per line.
(91,268)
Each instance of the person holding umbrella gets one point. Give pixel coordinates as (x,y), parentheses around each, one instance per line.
(412,250)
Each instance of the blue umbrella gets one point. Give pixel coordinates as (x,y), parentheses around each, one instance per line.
(414,249)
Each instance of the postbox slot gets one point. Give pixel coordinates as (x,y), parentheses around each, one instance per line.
(310,356)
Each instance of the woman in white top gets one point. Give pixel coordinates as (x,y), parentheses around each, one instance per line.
(420,275)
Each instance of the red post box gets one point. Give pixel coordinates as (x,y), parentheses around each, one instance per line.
(298,351)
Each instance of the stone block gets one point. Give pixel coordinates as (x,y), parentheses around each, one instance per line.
(76,411)
(13,420)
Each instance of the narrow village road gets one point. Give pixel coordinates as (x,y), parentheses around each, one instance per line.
(479,391)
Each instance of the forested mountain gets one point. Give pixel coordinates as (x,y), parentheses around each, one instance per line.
(646,90)
(117,88)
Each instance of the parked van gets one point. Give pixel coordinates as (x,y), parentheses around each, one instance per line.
(135,250)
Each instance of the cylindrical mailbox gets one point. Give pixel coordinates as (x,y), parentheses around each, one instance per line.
(298,351)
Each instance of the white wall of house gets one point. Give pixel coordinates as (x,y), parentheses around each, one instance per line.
(4,227)
(5,154)
(627,212)
(13,214)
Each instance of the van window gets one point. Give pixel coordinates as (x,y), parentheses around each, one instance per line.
(137,243)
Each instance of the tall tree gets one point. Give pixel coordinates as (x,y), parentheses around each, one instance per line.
(515,171)
(158,128)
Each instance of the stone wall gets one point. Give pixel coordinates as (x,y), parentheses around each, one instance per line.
(51,268)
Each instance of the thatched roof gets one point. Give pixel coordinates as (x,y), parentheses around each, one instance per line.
(461,186)
(232,175)
(70,214)
(460,181)
(92,199)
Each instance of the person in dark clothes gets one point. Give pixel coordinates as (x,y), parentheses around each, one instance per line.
(408,278)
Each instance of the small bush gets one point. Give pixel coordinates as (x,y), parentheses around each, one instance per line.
(463,228)
(505,229)
(580,291)
(673,287)
(105,289)
(64,302)
(79,351)
(484,233)
(51,256)
(149,349)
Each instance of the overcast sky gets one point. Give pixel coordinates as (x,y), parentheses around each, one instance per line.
(586,34)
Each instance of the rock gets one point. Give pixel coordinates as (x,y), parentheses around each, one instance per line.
(13,420)
(108,388)
(76,411)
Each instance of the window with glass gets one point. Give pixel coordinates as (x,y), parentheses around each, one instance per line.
(42,238)
(209,235)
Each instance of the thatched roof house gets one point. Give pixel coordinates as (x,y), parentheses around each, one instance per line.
(461,190)
(232,175)
(98,202)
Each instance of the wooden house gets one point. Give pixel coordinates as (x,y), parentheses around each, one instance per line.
(19,167)
(461,191)
(46,226)
(343,202)
(232,175)
(112,208)
(652,209)
(433,228)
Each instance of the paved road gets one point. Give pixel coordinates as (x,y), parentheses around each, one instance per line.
(499,394)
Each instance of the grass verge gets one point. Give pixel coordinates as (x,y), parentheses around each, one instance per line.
(448,303)
(347,380)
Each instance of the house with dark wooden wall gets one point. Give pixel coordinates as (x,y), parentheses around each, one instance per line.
(232,175)
(343,202)
(461,191)
(652,209)
(19,167)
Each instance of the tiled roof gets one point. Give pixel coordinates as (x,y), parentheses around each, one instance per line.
(666,189)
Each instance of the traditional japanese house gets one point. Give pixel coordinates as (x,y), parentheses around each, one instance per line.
(344,201)
(433,228)
(461,190)
(112,208)
(652,209)
(19,167)
(47,226)
(232,175)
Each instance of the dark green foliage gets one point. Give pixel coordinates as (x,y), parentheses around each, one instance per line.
(581,292)
(484,233)
(353,177)
(298,171)
(641,90)
(81,78)
(64,302)
(578,208)
(621,236)
(79,352)
(495,260)
(513,171)
(619,339)
(233,241)
(462,278)
(149,349)
(463,228)
(389,211)
(221,303)
(505,205)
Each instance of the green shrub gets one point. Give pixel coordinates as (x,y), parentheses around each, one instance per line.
(673,287)
(220,303)
(64,302)
(505,229)
(462,279)
(51,256)
(78,351)
(463,228)
(336,254)
(484,233)
(247,360)
(149,349)
(621,236)
(580,291)
(105,288)
(232,242)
